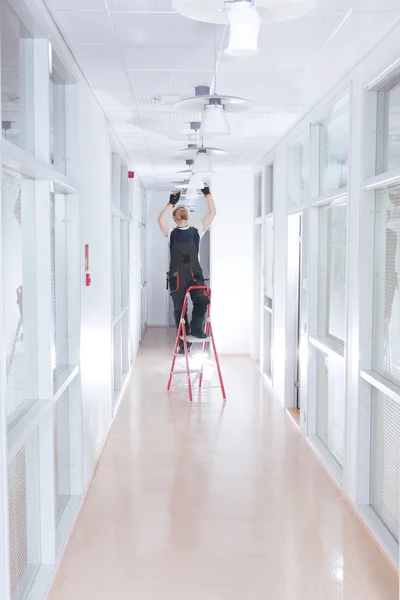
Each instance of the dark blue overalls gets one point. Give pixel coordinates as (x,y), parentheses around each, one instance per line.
(185,271)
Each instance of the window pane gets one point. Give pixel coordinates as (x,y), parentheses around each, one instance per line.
(117,262)
(332,272)
(257,195)
(334,147)
(125,189)
(116,180)
(385,457)
(18,244)
(59,273)
(269,190)
(268,261)
(297,174)
(24,518)
(267,367)
(386,346)
(62,462)
(16,79)
(57,115)
(331,403)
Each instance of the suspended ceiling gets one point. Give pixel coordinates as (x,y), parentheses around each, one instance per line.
(139,56)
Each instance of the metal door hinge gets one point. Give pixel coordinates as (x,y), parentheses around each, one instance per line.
(297,384)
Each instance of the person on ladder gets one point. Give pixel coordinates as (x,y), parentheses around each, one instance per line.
(185,270)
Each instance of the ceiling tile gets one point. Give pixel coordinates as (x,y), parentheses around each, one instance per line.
(161,30)
(317,80)
(76,4)
(107,78)
(140,5)
(116,100)
(302,98)
(169,58)
(364,27)
(85,27)
(148,86)
(288,45)
(375,5)
(93,55)
(330,57)
(332,7)
(266,88)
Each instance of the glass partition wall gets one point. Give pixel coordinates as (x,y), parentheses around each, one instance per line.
(264,269)
(121,221)
(40,452)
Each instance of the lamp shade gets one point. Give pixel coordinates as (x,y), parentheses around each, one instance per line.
(202,163)
(195,182)
(191,196)
(245,27)
(215,121)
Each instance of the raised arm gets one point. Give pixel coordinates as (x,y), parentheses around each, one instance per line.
(212,211)
(164,215)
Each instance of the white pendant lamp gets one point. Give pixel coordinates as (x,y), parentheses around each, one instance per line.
(215,121)
(195,182)
(191,195)
(202,163)
(245,24)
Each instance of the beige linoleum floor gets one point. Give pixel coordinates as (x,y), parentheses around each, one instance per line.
(209,503)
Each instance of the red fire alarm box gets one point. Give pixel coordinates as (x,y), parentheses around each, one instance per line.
(131,175)
(88,280)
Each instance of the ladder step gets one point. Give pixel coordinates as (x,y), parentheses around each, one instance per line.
(195,340)
(184,372)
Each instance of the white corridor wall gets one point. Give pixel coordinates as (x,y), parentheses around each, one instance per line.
(232,262)
(96,301)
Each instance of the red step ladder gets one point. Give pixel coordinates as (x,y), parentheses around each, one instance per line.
(182,335)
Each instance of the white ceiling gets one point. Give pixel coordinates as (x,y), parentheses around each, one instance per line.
(133,52)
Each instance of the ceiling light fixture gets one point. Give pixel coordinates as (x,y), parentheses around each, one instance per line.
(191,151)
(209,11)
(195,182)
(202,96)
(180,185)
(202,163)
(245,24)
(215,121)
(189,164)
(191,195)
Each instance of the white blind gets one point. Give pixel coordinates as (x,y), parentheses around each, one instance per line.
(24,519)
(385,448)
(386,347)
(331,403)
(332,272)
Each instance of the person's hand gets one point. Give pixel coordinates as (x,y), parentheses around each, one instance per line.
(174,198)
(206,191)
